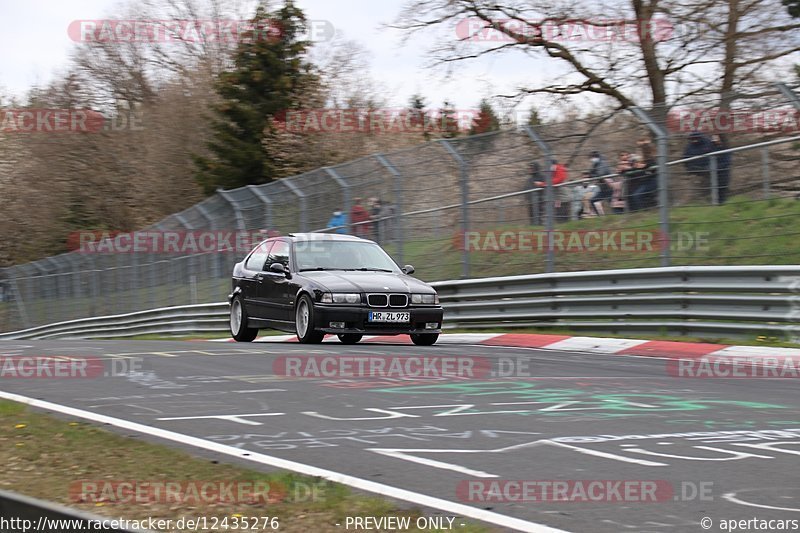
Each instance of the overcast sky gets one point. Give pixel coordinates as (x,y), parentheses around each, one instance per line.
(36,47)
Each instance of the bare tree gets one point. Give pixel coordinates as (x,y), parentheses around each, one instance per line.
(654,53)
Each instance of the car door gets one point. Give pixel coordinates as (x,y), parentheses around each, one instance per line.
(274,287)
(253,280)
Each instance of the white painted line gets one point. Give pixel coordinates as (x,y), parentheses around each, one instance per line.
(466,338)
(276,338)
(732,497)
(352,481)
(755,351)
(595,344)
(258,390)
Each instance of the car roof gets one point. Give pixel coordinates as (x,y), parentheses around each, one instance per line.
(324,237)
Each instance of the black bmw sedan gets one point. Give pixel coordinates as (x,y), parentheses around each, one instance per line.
(317,283)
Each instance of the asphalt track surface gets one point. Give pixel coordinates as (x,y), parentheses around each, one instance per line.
(726,449)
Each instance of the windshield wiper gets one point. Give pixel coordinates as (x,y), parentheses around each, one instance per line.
(365,269)
(319,269)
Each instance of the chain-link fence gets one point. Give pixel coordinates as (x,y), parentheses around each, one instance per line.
(641,190)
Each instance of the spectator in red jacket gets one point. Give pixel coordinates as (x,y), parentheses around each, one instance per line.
(359,214)
(561,195)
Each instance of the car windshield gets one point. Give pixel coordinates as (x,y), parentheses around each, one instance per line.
(342,255)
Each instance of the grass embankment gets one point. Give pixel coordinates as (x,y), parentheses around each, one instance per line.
(741,232)
(45,456)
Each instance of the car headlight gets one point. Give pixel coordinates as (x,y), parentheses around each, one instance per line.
(341,298)
(430,299)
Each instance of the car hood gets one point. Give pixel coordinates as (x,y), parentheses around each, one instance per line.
(335,281)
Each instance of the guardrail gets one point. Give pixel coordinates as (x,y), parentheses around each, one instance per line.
(22,513)
(732,302)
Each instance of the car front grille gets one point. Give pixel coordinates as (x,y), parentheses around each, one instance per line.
(398,300)
(377,300)
(387,300)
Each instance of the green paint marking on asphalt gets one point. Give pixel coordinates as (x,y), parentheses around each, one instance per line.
(572,400)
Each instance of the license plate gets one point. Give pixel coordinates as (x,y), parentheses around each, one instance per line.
(389,316)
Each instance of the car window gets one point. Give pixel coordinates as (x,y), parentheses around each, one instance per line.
(258,258)
(279,254)
(342,255)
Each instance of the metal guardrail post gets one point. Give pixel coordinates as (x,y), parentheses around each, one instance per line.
(550,257)
(464,181)
(302,196)
(19,508)
(662,144)
(346,195)
(398,219)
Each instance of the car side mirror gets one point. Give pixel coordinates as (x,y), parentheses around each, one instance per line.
(277,268)
(408,269)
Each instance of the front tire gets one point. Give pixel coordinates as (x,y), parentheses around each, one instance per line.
(238,324)
(350,338)
(424,339)
(304,322)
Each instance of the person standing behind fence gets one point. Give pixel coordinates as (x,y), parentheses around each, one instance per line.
(699,144)
(338,221)
(643,185)
(723,167)
(599,169)
(359,217)
(617,183)
(532,198)
(583,195)
(561,195)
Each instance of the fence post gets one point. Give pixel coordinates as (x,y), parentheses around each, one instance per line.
(217,259)
(237,213)
(549,263)
(23,314)
(714,181)
(346,196)
(662,143)
(765,171)
(397,219)
(794,99)
(464,180)
(790,95)
(77,283)
(302,196)
(262,196)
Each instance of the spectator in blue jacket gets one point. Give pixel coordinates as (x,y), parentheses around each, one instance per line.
(699,144)
(339,221)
